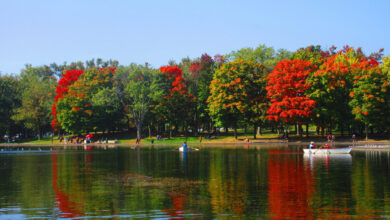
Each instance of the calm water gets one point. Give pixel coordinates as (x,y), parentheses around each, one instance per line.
(271,182)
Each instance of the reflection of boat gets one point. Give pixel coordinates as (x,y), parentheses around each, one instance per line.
(338,157)
(181,149)
(345,150)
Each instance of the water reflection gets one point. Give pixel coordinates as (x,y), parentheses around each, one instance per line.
(68,209)
(212,183)
(290,186)
(313,160)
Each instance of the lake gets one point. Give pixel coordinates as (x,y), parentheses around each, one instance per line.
(214,182)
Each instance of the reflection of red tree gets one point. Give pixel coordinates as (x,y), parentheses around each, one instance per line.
(178,200)
(290,186)
(68,208)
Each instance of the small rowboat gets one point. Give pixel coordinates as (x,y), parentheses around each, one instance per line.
(345,150)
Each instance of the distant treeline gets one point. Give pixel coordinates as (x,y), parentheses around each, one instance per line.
(344,90)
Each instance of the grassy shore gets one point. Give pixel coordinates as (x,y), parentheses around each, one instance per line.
(220,139)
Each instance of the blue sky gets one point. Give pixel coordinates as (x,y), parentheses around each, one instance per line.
(41,32)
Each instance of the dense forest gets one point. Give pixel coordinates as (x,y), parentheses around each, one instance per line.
(334,90)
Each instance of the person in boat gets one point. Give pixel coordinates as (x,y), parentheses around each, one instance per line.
(326,146)
(312,145)
(184,146)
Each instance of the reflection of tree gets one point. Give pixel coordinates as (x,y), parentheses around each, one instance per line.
(68,208)
(230,183)
(290,186)
(370,180)
(178,201)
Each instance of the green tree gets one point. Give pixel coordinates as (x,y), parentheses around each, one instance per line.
(38,86)
(202,72)
(141,90)
(370,94)
(261,54)
(237,94)
(9,101)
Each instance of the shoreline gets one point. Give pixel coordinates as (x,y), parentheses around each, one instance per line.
(359,145)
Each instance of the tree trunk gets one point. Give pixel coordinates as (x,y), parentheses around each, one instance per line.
(170,131)
(128,123)
(296,128)
(139,127)
(196,125)
(366,128)
(254,130)
(300,130)
(226,130)
(307,130)
(259,131)
(150,131)
(235,132)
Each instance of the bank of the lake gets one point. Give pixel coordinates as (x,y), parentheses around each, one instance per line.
(223,142)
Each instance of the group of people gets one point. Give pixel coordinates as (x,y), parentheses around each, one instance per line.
(81,140)
(313,146)
(331,138)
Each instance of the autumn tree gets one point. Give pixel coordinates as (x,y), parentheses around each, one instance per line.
(286,89)
(331,86)
(67,79)
(176,106)
(90,103)
(201,75)
(237,94)
(370,94)
(316,56)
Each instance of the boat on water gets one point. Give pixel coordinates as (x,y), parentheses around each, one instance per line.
(182,149)
(345,150)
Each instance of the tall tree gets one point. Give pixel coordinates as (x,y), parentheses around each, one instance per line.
(141,90)
(370,94)
(201,75)
(261,54)
(176,107)
(87,105)
(37,98)
(237,94)
(286,88)
(9,101)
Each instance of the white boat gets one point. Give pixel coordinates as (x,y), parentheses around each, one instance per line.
(345,150)
(181,149)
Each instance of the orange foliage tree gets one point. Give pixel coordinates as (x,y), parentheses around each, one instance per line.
(286,89)
(238,95)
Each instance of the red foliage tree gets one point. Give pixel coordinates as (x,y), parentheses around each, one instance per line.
(62,90)
(286,89)
(177,104)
